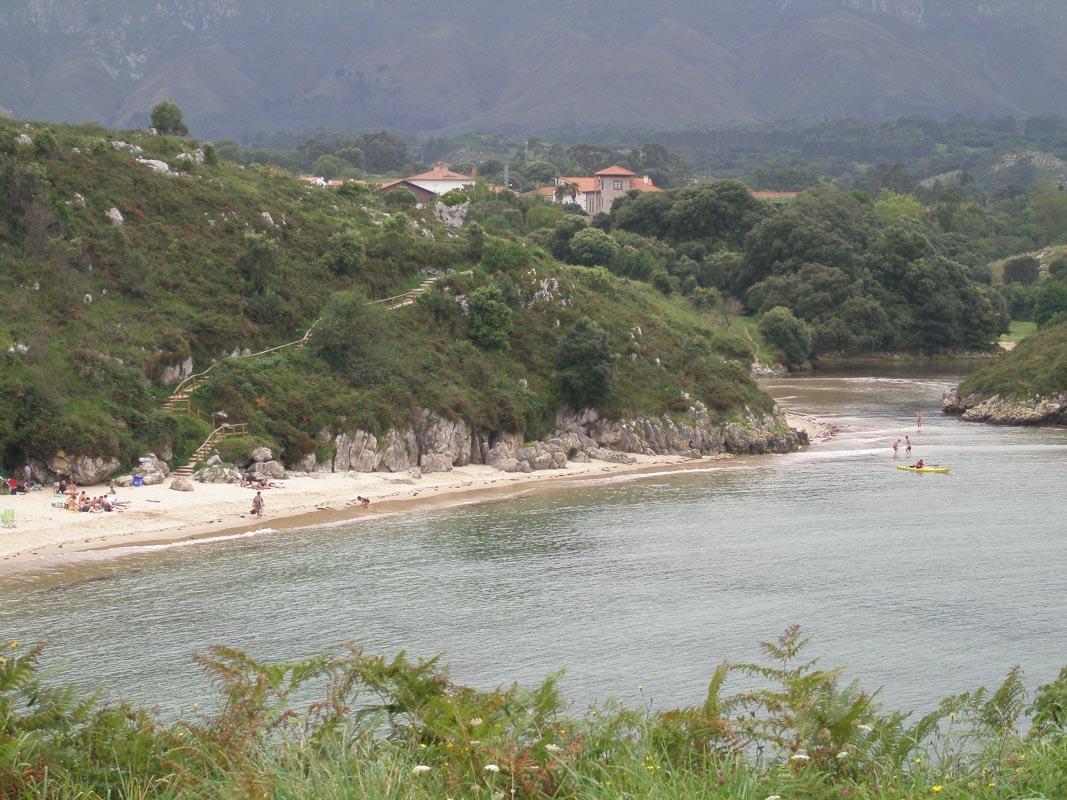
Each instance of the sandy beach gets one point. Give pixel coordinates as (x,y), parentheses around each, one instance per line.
(158,514)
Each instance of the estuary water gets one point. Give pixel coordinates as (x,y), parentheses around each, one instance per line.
(923,585)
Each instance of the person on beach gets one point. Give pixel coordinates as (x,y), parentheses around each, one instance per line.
(919,419)
(364,503)
(907,444)
(896,446)
(257,505)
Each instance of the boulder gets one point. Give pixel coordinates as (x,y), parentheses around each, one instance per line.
(504,449)
(181,485)
(581,458)
(261,454)
(84,470)
(155,165)
(149,467)
(436,462)
(78,201)
(23,139)
(451,216)
(507,464)
(270,469)
(214,461)
(305,464)
(115,216)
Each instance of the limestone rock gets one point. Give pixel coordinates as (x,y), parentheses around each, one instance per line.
(269,469)
(78,201)
(261,454)
(441,436)
(218,473)
(181,485)
(398,451)
(451,216)
(998,410)
(356,451)
(152,470)
(115,216)
(84,470)
(436,462)
(305,464)
(173,374)
(23,139)
(155,165)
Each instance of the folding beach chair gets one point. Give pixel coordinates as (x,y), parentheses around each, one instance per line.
(7,518)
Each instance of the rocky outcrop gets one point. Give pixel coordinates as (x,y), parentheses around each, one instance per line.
(267,469)
(261,454)
(155,165)
(114,216)
(452,216)
(181,485)
(439,436)
(1000,410)
(83,470)
(399,451)
(152,470)
(174,374)
(435,462)
(693,434)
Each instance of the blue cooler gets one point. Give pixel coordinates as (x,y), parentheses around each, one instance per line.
(138,480)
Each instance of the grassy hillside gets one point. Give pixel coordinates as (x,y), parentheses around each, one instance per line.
(215,257)
(1037,366)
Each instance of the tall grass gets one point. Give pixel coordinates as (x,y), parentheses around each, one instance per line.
(401,729)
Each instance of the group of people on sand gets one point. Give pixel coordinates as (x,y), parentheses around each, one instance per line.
(907,441)
(260,482)
(16,486)
(81,502)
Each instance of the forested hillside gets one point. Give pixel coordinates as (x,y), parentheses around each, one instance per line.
(128,261)
(241,66)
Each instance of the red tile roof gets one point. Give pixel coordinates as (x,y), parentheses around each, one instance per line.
(585,185)
(440,172)
(615,171)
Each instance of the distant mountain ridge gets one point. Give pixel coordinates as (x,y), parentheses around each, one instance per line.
(427,65)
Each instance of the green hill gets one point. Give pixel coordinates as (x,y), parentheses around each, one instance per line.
(1036,367)
(98,320)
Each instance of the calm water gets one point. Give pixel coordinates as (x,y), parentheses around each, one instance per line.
(921,584)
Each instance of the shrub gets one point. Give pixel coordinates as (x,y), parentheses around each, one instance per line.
(345,253)
(502,256)
(1057,268)
(490,318)
(791,336)
(731,345)
(1023,269)
(592,247)
(167,119)
(586,366)
(1051,300)
(400,198)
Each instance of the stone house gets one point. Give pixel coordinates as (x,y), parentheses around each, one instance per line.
(599,191)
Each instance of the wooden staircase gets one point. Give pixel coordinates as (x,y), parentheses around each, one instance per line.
(222,432)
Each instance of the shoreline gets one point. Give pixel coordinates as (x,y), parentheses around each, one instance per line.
(47,537)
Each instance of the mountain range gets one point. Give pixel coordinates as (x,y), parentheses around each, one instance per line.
(243,66)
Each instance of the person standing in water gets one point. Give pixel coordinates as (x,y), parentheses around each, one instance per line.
(907,444)
(919,419)
(257,505)
(896,446)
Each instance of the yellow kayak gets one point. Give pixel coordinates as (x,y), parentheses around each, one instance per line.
(942,470)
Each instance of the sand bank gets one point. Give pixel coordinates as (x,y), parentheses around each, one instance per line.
(158,514)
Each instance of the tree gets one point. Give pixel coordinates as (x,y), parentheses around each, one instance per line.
(585,364)
(1048,207)
(328,166)
(211,156)
(257,262)
(1051,301)
(788,334)
(1022,269)
(593,247)
(167,119)
(892,207)
(490,318)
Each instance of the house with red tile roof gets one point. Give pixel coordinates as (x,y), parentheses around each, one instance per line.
(599,191)
(429,185)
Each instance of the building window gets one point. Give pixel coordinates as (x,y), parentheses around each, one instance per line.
(618,186)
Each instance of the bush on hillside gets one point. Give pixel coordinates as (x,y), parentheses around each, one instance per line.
(592,247)
(586,365)
(789,335)
(1051,301)
(1022,269)
(490,318)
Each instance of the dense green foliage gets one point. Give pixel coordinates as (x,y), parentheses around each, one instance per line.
(401,729)
(790,335)
(212,260)
(1037,366)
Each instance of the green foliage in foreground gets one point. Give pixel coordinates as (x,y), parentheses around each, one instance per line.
(1037,366)
(401,729)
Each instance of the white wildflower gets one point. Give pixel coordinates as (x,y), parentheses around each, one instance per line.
(476,721)
(552,748)
(843,754)
(800,757)
(419,769)
(865,728)
(774,797)
(491,768)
